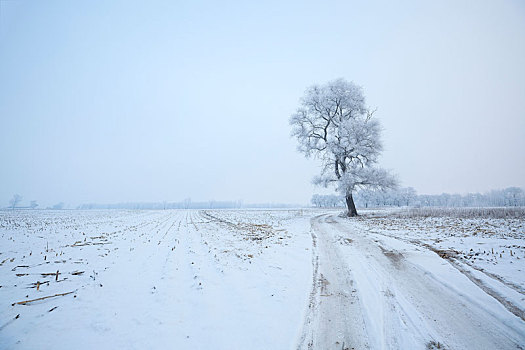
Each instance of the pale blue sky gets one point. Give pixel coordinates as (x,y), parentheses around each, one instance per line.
(113,101)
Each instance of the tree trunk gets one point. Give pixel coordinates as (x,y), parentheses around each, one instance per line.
(350,205)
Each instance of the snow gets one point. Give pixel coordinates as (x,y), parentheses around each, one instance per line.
(152,278)
(260,279)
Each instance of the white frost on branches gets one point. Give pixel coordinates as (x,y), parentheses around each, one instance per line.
(334,125)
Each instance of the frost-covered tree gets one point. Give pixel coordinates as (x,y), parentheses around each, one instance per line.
(316,200)
(367,197)
(334,125)
(408,194)
(13,202)
(513,196)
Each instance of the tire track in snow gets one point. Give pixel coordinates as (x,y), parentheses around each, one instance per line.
(468,270)
(334,319)
(306,339)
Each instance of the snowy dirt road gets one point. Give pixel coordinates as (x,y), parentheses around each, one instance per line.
(376,292)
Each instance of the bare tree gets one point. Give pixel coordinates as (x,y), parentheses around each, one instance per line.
(334,125)
(33,204)
(13,202)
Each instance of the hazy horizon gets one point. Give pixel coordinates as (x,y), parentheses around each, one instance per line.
(130,101)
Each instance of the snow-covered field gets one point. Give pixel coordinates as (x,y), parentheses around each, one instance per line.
(259,279)
(153,279)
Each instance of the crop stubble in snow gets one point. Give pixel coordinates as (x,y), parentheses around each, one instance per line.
(156,279)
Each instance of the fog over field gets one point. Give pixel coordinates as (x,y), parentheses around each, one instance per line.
(125,101)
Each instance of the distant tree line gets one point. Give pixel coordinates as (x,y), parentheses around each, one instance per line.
(186,204)
(406,196)
(15,203)
(325,201)
(508,197)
